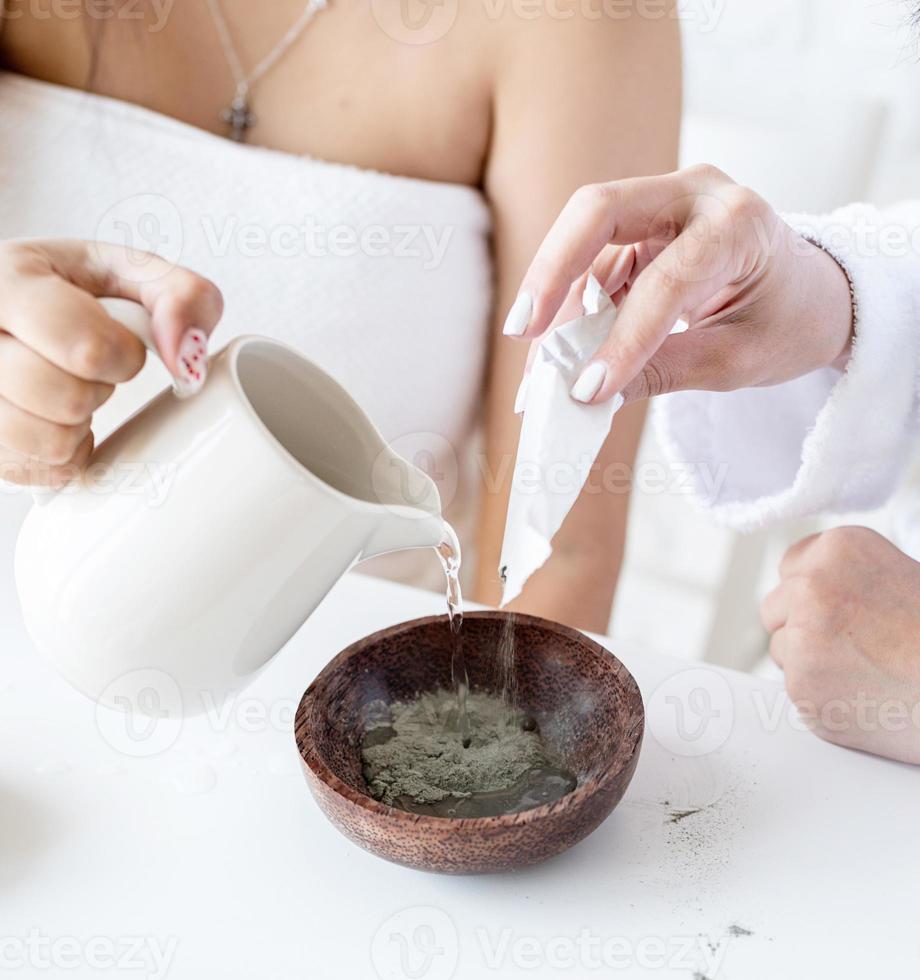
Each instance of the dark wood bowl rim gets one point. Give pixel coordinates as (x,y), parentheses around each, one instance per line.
(632,737)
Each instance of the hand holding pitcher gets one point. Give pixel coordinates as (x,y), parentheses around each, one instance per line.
(61,354)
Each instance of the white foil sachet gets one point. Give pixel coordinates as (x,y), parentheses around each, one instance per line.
(560,439)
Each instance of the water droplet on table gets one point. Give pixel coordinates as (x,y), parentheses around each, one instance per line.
(192,779)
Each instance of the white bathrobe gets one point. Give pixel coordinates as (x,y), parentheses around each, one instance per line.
(830,441)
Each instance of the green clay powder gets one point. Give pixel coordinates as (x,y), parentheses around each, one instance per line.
(422,757)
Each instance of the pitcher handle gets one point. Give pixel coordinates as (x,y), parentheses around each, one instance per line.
(133,317)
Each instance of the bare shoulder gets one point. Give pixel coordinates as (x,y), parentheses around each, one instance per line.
(592,88)
(564,42)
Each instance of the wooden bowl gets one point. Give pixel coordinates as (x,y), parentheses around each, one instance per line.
(584,700)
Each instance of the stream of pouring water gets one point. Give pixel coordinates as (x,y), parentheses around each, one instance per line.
(449,553)
(412,752)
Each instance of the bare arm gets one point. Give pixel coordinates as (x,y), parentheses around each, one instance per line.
(575,101)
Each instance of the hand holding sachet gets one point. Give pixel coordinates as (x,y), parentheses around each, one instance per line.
(560,439)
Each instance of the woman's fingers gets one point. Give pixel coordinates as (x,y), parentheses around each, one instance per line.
(61,353)
(71,328)
(716,358)
(683,276)
(622,212)
(41,388)
(694,240)
(614,269)
(23,471)
(67,327)
(798,557)
(38,439)
(718,246)
(774,610)
(777,647)
(184,307)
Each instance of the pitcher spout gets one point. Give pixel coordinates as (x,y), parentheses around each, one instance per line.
(409,508)
(403,528)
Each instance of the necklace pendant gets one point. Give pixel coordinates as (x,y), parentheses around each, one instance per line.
(239,117)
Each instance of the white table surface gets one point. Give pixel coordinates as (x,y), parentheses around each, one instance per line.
(210,859)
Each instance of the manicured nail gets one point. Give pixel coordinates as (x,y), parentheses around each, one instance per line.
(589,382)
(519,315)
(191,363)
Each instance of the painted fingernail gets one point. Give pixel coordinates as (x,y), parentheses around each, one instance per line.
(519,315)
(191,363)
(589,382)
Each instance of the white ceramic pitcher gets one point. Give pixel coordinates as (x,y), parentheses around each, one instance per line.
(207,530)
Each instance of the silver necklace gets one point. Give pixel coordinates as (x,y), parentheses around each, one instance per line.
(238,115)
